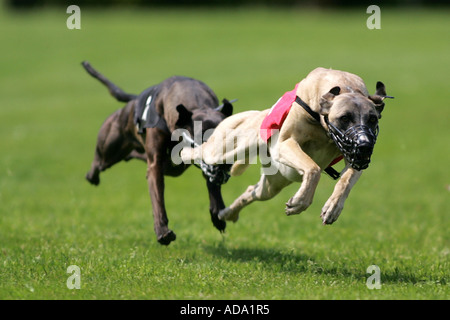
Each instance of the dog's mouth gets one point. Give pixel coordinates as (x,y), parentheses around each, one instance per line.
(356,143)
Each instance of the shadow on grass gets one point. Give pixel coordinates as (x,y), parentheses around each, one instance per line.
(283,261)
(289,261)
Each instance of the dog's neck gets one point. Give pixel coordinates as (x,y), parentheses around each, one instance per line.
(329,170)
(305,106)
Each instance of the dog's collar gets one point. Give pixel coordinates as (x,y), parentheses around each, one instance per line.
(305,106)
(329,170)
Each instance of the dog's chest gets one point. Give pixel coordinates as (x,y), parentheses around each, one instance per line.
(316,143)
(318,147)
(321,151)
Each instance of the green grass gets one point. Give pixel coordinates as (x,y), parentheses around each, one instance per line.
(397,216)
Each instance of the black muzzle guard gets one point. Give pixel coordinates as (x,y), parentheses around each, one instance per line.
(356,143)
(217,174)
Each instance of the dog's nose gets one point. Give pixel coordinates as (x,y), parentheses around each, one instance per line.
(365,144)
(365,150)
(364,140)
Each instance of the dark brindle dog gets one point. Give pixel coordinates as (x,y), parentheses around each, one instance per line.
(143,129)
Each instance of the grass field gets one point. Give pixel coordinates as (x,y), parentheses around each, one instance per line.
(397,216)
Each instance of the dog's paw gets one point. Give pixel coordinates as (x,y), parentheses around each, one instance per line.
(296,207)
(219,224)
(228,214)
(167,238)
(331,211)
(93,178)
(186,154)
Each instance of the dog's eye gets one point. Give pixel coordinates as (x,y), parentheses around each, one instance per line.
(373,119)
(345,119)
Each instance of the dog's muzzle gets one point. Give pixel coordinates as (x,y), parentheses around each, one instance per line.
(356,143)
(217,174)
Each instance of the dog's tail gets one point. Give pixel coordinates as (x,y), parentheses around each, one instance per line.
(115,91)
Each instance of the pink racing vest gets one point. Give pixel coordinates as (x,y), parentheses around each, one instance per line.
(278,113)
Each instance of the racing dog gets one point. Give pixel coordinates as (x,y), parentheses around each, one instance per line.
(328,116)
(143,128)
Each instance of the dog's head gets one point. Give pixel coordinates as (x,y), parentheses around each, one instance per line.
(209,118)
(200,124)
(352,121)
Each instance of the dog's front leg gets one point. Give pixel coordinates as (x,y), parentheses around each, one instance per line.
(156,154)
(291,154)
(333,207)
(215,204)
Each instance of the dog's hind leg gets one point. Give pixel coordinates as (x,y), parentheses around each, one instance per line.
(136,155)
(112,146)
(267,187)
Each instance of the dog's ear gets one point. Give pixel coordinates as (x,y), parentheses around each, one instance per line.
(227,108)
(381,89)
(326,101)
(184,116)
(378,97)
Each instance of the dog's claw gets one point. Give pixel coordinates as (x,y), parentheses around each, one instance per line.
(291,210)
(328,218)
(324,221)
(331,211)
